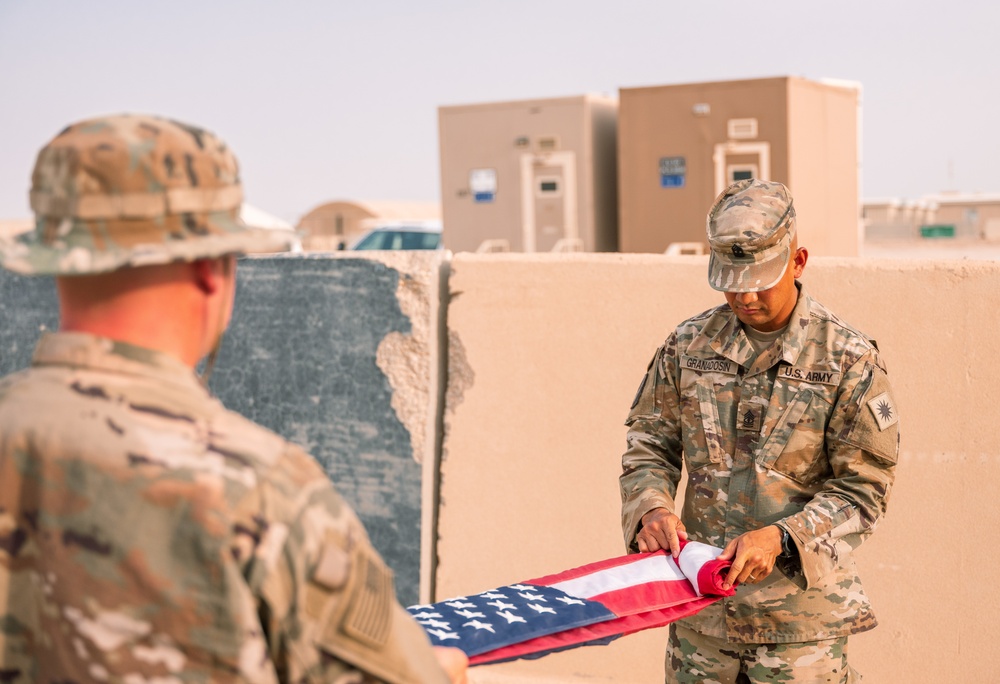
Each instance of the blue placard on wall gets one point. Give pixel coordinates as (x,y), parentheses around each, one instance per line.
(672,172)
(483,185)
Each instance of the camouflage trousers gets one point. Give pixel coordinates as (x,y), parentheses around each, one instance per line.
(695,658)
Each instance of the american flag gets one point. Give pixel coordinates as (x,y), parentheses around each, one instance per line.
(592,604)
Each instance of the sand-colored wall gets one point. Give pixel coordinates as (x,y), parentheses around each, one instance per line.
(546,354)
(823,165)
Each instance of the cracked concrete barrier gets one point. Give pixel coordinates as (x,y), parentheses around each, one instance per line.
(28,307)
(336,353)
(339,354)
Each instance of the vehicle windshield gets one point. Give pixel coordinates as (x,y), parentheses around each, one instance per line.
(400,239)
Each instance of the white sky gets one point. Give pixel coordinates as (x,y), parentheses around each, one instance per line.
(338,99)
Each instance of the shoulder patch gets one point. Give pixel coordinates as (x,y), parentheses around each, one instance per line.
(333,568)
(883,410)
(638,392)
(644,403)
(875,425)
(368,618)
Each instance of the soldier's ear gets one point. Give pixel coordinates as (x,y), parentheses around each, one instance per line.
(799,260)
(207,275)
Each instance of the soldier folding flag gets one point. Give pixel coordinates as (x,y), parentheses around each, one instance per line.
(592,604)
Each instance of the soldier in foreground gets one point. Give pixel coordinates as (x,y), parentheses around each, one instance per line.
(147,534)
(785,420)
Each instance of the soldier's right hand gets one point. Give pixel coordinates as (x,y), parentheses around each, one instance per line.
(661,529)
(454,662)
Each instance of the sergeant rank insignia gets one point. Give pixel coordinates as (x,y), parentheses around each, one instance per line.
(749,418)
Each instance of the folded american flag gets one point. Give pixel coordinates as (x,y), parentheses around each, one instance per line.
(592,604)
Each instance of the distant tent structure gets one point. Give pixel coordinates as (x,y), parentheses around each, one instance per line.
(339,224)
(255,217)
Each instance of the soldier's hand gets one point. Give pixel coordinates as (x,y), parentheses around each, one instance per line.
(661,529)
(753,555)
(454,662)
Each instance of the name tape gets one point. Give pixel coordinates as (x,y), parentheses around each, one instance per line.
(710,365)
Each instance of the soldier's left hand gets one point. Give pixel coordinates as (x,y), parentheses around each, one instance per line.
(753,555)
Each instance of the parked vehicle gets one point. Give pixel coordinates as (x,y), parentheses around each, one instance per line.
(402,235)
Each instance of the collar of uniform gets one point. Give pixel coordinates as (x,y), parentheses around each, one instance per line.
(794,339)
(81,350)
(726,337)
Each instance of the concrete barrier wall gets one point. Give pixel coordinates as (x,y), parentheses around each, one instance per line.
(546,354)
(27,309)
(337,353)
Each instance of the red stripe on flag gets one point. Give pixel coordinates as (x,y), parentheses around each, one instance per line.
(646,597)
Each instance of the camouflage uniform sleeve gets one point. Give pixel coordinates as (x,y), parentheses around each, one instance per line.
(651,464)
(862,442)
(326,599)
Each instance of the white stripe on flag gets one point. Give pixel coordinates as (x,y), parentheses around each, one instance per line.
(659,568)
(693,557)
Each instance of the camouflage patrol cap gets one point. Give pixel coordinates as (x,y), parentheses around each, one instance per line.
(134,190)
(750,230)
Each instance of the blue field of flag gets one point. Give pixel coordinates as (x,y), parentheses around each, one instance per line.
(508,615)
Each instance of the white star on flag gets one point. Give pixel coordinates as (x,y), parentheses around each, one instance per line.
(479,625)
(469,614)
(540,609)
(510,617)
(436,623)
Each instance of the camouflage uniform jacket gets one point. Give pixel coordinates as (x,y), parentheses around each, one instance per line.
(148,534)
(805,435)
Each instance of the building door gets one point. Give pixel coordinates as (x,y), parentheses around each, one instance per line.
(740,160)
(548,200)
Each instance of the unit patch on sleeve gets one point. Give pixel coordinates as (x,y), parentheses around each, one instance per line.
(884,411)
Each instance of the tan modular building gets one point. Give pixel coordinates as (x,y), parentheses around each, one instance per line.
(971,215)
(679,146)
(530,176)
(895,219)
(968,216)
(338,225)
